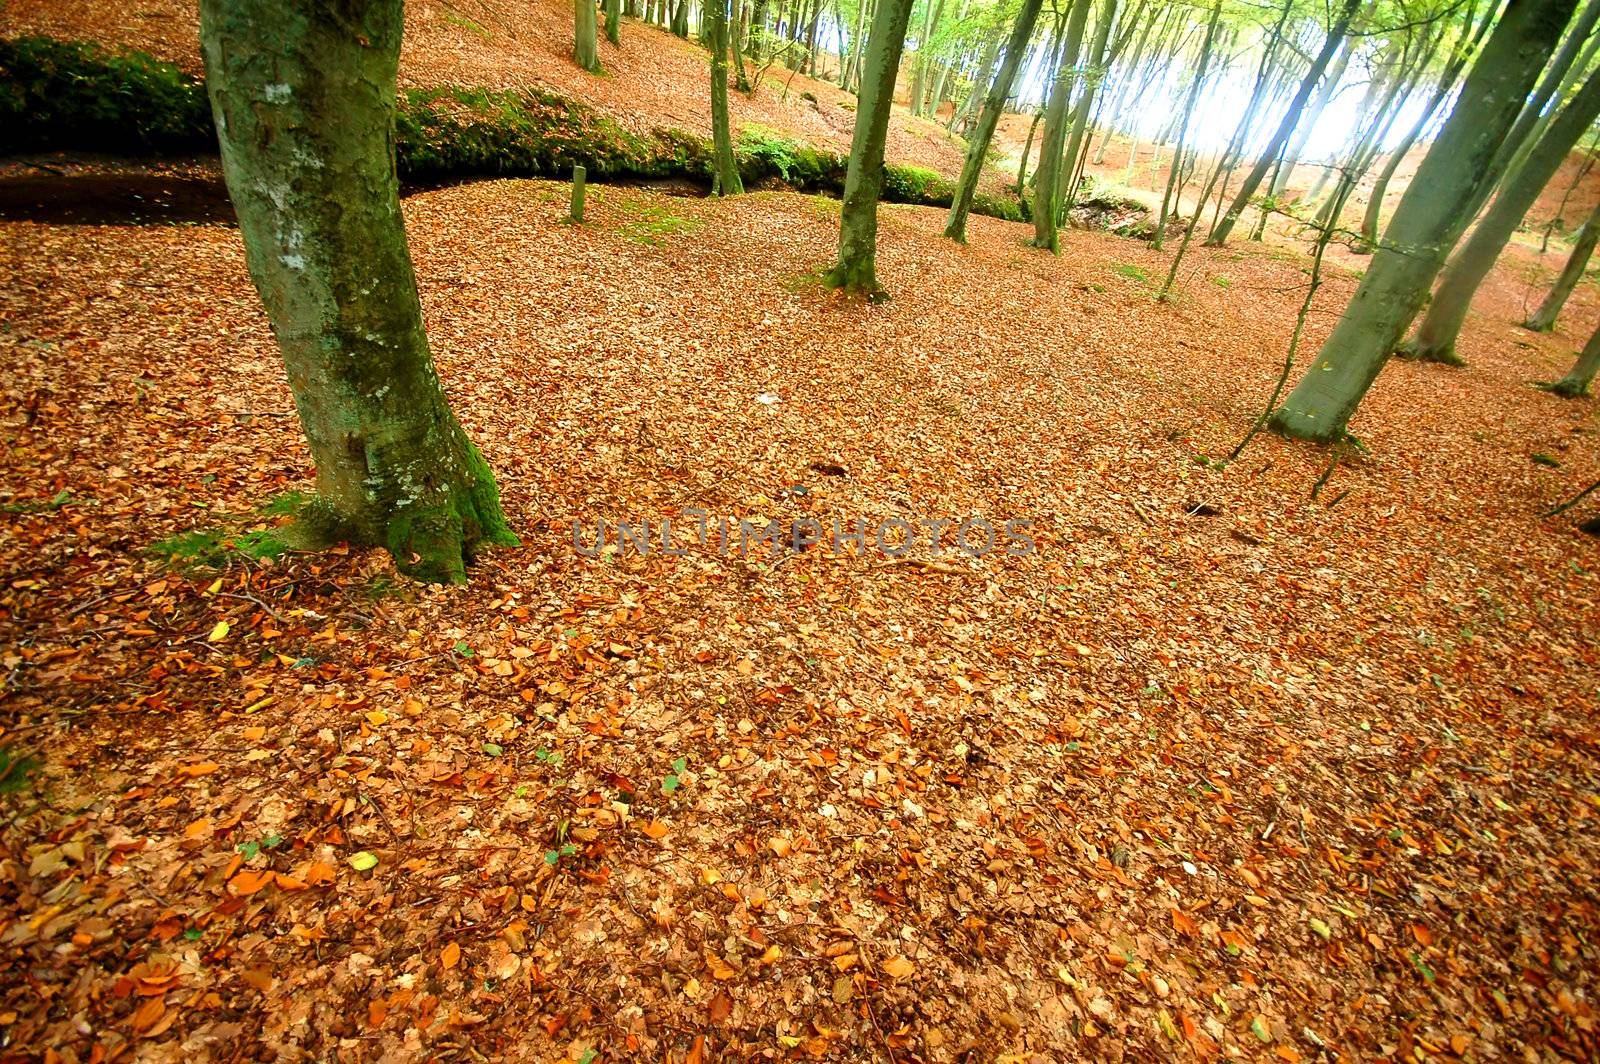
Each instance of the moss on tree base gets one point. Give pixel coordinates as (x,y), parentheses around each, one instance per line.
(1566,388)
(858,277)
(1412,351)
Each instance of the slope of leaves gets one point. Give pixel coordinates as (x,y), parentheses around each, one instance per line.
(1219,769)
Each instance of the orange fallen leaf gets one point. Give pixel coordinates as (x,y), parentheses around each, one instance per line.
(655,829)
(450,956)
(900,967)
(146,1015)
(318,872)
(289,882)
(1183,923)
(204,768)
(250,880)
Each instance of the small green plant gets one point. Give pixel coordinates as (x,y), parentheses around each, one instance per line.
(563,848)
(680,767)
(211,548)
(1540,458)
(61,500)
(1132,272)
(467,24)
(652,225)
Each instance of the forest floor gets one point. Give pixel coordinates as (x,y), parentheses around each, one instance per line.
(1229,765)
(1220,766)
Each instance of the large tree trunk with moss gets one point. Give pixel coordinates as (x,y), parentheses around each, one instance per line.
(1426,224)
(1053,144)
(304,99)
(989,118)
(725,181)
(1435,339)
(1544,319)
(1576,382)
(585,42)
(1286,127)
(857,268)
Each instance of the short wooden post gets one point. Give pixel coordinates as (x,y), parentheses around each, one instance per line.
(579,175)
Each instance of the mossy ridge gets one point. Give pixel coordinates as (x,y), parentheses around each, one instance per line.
(73,95)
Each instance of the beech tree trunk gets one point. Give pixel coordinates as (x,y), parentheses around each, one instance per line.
(1183,129)
(304,98)
(725,181)
(1080,116)
(1544,319)
(857,268)
(1053,145)
(1576,383)
(1426,224)
(989,118)
(614,21)
(1435,339)
(586,45)
(1308,123)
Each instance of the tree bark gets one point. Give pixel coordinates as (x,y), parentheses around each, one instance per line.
(614,21)
(586,45)
(725,181)
(1068,193)
(857,268)
(1291,118)
(1308,123)
(1426,224)
(1435,339)
(1544,319)
(304,99)
(1053,145)
(1576,383)
(989,118)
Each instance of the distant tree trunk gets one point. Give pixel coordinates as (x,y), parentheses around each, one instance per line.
(1308,123)
(1183,126)
(1426,224)
(848,81)
(989,118)
(725,181)
(614,21)
(809,61)
(1068,194)
(1027,148)
(1576,383)
(1291,118)
(680,20)
(1435,339)
(586,46)
(304,98)
(1053,145)
(1113,111)
(1544,319)
(933,11)
(857,268)
(756,30)
(980,84)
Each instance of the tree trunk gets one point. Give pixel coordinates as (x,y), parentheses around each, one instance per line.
(857,268)
(586,45)
(1544,319)
(1308,123)
(1576,383)
(725,181)
(993,106)
(614,21)
(1053,145)
(1183,126)
(1435,339)
(857,46)
(1291,118)
(1426,224)
(1068,194)
(1114,111)
(756,30)
(1027,149)
(980,84)
(304,99)
(1447,81)
(680,20)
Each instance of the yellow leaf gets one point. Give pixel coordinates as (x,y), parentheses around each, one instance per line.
(214,588)
(899,967)
(218,633)
(377,717)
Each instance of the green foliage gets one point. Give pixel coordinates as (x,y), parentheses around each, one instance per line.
(1132,272)
(63,94)
(651,224)
(16,770)
(764,153)
(70,94)
(209,548)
